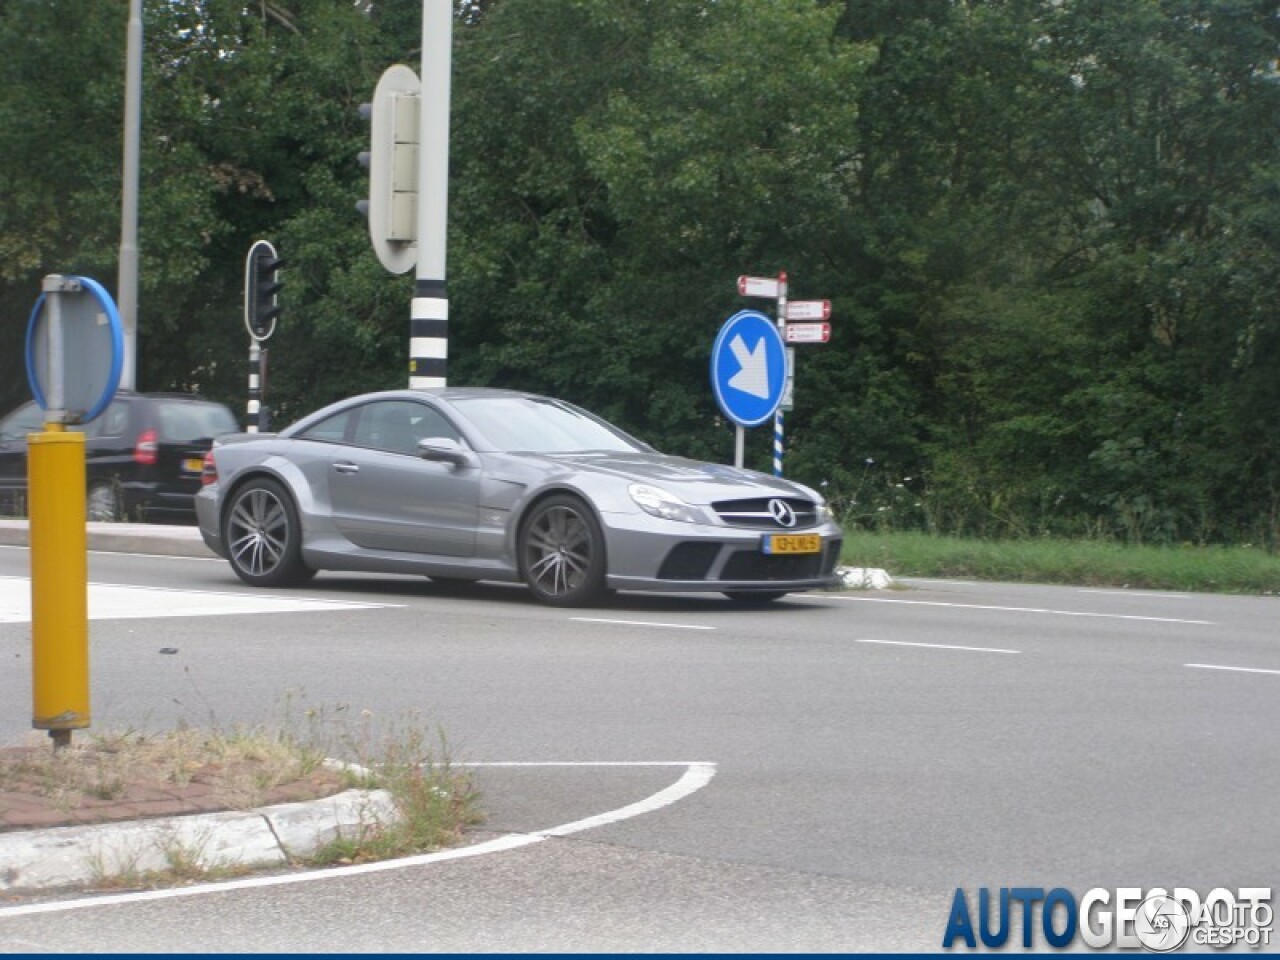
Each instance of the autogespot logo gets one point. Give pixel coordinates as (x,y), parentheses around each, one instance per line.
(1157,920)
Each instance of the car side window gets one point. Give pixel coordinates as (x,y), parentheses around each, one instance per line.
(329,430)
(115,421)
(397,425)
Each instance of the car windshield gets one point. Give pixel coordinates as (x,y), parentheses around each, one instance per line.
(533,425)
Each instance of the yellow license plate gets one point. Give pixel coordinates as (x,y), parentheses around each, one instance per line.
(792,543)
(193,464)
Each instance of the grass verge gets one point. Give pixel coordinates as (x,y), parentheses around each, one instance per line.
(423,801)
(1244,570)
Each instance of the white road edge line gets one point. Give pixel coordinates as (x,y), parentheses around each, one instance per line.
(985,606)
(1215,666)
(938,646)
(697,775)
(643,623)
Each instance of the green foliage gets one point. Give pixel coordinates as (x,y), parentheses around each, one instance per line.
(1242,569)
(1048,229)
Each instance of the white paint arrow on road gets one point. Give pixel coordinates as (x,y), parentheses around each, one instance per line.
(753,378)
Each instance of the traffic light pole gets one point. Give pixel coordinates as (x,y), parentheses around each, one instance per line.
(261,312)
(429,312)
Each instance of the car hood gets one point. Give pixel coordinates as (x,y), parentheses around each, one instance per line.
(694,481)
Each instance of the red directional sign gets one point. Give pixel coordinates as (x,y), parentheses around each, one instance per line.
(808,309)
(758,287)
(807,332)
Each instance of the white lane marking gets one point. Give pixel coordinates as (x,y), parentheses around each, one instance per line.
(987,606)
(643,623)
(938,646)
(1137,593)
(1215,666)
(109,601)
(697,775)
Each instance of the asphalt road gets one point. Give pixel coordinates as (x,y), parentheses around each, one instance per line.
(821,775)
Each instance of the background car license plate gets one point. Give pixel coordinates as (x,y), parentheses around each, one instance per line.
(193,465)
(792,543)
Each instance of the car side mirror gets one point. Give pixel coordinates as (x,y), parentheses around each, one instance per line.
(443,450)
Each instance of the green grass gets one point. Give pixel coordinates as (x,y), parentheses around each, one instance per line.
(1095,563)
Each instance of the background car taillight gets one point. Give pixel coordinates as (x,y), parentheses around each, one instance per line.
(210,472)
(146,448)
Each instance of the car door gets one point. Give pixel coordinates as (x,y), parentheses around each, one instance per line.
(386,497)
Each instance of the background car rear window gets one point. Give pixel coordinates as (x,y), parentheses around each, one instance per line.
(188,422)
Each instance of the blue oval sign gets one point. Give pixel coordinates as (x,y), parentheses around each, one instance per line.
(749,368)
(92,348)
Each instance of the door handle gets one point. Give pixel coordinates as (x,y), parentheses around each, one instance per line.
(346,466)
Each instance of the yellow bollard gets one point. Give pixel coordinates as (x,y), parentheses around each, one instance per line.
(59,582)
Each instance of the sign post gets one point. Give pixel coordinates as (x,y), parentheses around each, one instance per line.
(791,332)
(75,351)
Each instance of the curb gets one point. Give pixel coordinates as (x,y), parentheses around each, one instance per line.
(157,539)
(266,837)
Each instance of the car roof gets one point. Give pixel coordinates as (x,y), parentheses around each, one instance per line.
(449,393)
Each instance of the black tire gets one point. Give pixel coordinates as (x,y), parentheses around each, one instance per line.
(754,598)
(103,504)
(562,553)
(263,536)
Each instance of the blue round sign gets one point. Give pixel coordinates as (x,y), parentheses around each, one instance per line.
(749,368)
(92,354)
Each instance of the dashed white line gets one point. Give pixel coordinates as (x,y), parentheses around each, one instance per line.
(938,646)
(1044,610)
(643,623)
(1215,666)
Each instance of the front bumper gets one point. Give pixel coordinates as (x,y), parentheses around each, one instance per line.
(657,555)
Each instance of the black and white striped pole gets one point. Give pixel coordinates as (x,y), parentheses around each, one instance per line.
(408,163)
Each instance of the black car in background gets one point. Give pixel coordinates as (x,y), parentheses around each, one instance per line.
(143,455)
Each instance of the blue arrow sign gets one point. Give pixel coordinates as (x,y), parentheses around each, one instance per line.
(749,368)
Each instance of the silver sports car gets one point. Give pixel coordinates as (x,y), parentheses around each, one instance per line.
(464,484)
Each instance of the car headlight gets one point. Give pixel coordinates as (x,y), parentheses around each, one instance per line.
(821,512)
(659,503)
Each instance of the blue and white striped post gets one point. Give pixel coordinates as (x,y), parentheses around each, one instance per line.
(777,443)
(777,416)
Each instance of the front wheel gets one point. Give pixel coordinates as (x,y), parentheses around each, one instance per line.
(562,553)
(263,536)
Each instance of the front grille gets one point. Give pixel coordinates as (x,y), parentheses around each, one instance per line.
(755,513)
(750,565)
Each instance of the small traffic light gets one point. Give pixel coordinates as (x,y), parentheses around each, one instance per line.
(261,290)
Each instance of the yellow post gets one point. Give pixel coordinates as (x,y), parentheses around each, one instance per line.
(59,583)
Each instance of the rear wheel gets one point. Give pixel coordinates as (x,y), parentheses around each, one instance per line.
(562,553)
(754,598)
(103,503)
(263,536)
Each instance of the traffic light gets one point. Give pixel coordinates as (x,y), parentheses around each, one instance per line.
(261,290)
(392,162)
